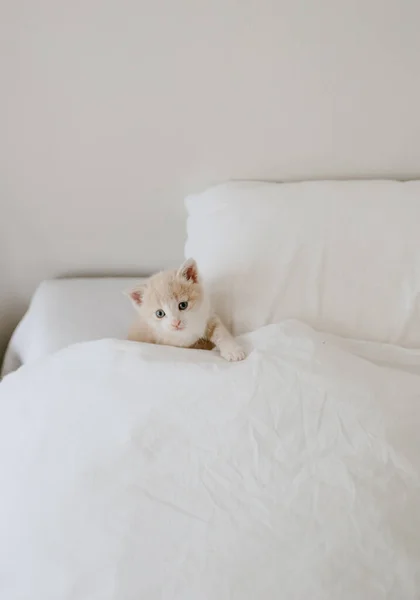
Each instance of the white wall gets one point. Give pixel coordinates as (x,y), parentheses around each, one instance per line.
(110,111)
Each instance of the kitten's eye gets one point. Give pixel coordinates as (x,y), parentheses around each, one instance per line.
(160,313)
(182,305)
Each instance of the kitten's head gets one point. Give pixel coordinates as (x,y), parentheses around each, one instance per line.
(174,304)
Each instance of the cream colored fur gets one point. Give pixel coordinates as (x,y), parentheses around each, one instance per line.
(193,326)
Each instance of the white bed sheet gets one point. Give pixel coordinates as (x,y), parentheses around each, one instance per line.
(67,311)
(136,471)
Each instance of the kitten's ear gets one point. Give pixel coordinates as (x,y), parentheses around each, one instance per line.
(136,294)
(189,271)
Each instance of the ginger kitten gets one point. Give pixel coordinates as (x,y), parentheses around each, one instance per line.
(173,309)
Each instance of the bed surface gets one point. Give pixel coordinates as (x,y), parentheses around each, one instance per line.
(141,471)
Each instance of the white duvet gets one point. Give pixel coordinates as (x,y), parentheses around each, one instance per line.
(137,472)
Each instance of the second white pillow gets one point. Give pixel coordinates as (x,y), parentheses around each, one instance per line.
(343,257)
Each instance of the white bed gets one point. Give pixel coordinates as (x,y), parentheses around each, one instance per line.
(136,471)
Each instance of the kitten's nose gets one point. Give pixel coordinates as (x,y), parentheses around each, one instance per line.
(176,323)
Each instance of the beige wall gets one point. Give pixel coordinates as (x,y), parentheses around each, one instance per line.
(110,111)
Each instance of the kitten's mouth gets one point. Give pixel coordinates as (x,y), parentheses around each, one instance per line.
(177,328)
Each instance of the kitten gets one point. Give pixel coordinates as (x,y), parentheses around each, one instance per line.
(173,309)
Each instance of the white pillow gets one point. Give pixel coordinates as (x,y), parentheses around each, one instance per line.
(342,256)
(68,311)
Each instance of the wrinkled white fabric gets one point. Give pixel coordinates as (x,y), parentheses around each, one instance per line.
(342,256)
(130,471)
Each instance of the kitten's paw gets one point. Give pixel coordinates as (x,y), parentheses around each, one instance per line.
(232,353)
